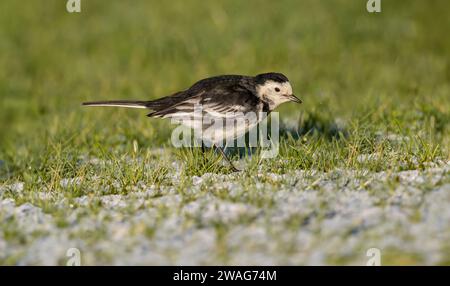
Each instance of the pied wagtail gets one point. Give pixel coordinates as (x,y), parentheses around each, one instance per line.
(220,97)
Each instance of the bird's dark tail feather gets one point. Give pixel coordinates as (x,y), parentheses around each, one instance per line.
(119,103)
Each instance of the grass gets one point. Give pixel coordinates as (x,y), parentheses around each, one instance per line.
(375,89)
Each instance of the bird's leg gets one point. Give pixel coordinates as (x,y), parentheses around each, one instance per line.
(203,148)
(226,158)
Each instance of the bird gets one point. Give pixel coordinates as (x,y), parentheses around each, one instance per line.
(222,97)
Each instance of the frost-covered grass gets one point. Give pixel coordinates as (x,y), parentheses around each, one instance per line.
(363,163)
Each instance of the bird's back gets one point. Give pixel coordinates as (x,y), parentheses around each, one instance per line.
(212,82)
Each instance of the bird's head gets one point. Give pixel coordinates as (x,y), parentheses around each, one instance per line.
(275,89)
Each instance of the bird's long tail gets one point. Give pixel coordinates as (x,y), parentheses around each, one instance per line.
(119,103)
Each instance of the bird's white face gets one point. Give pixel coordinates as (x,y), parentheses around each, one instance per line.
(276,93)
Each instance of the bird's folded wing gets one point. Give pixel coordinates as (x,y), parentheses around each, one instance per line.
(221,102)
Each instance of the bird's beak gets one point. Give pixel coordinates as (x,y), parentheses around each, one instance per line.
(294,98)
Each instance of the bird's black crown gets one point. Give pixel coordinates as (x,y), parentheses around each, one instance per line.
(273,76)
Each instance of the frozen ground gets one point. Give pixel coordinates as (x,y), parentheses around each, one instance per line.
(302,217)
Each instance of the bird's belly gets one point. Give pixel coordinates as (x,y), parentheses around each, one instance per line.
(217,129)
(218,134)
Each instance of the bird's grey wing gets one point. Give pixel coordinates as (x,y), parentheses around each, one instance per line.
(227,102)
(205,85)
(215,96)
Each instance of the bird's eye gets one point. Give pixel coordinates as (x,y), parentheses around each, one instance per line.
(277,89)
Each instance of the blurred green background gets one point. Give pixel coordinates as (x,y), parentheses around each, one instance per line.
(342,61)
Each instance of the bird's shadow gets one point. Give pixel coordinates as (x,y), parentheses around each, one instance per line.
(314,124)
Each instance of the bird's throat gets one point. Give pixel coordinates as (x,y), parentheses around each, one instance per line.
(269,104)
